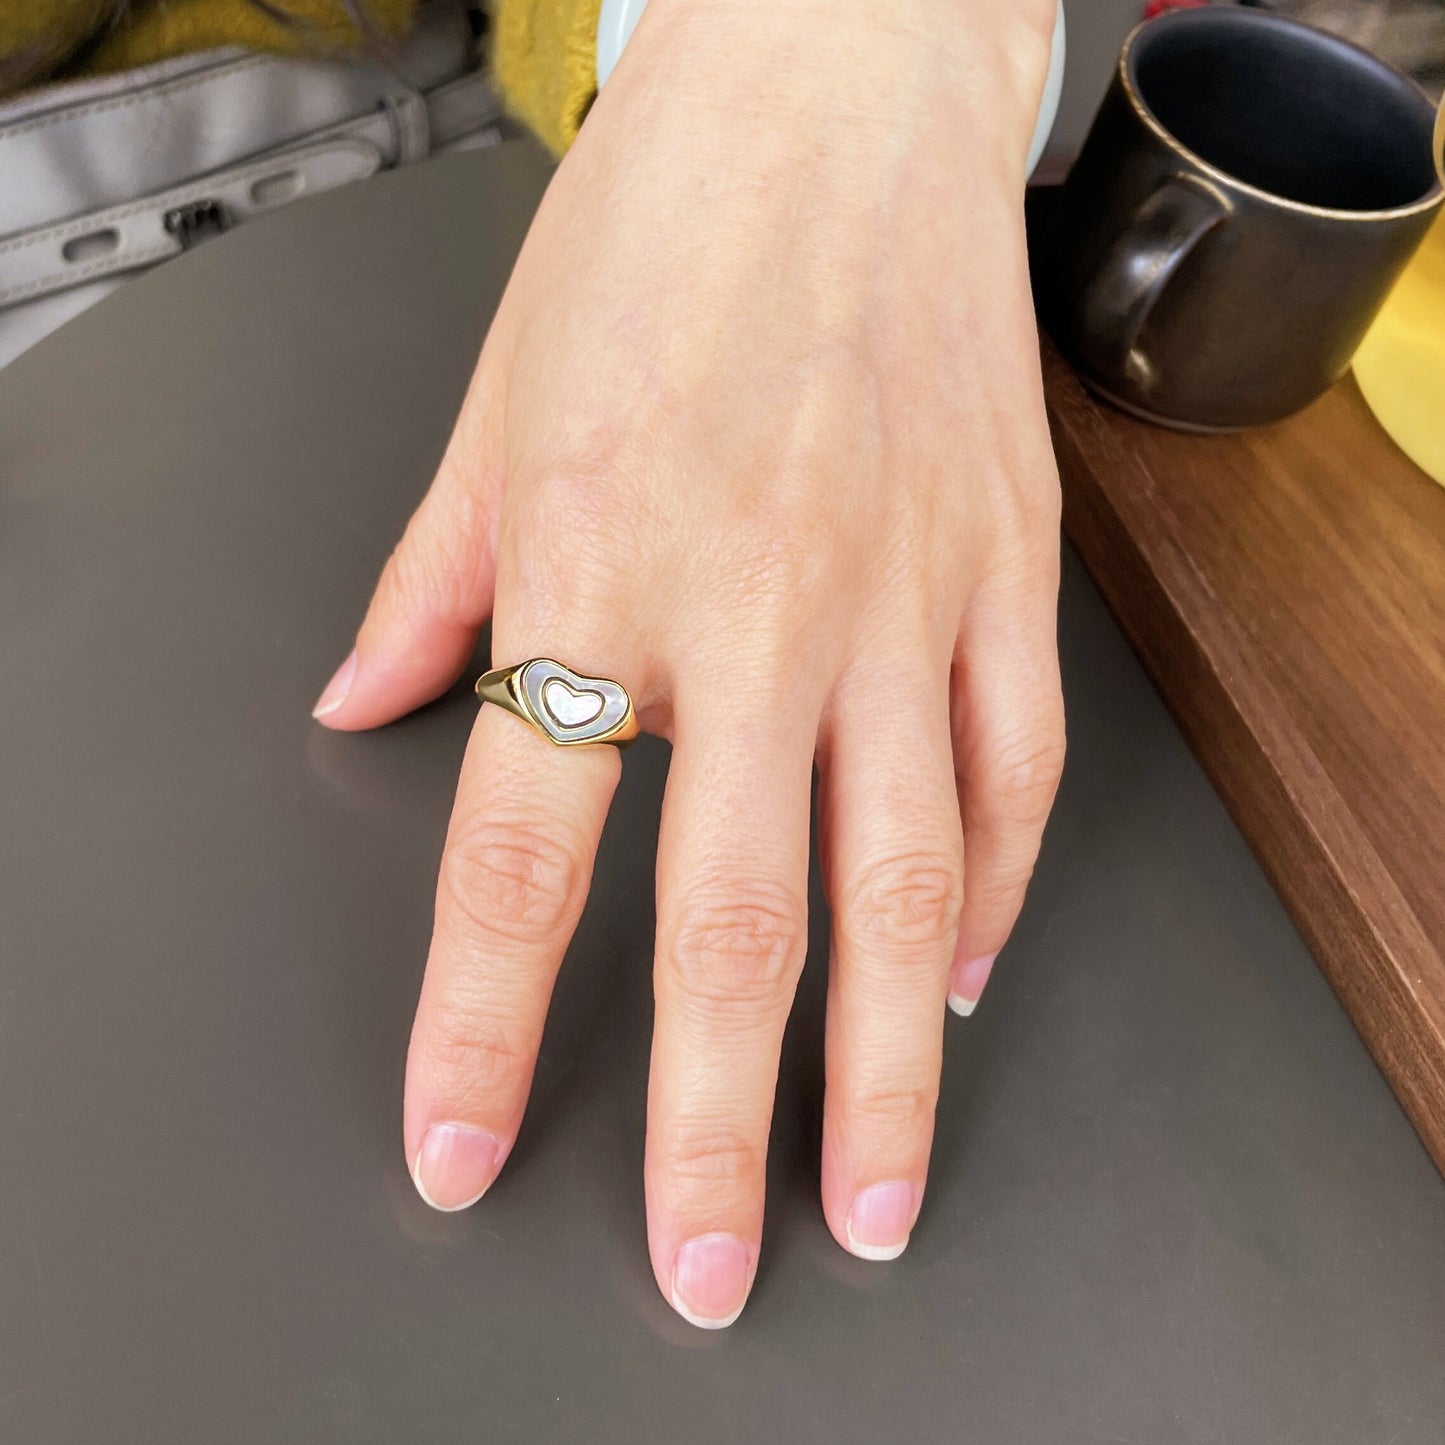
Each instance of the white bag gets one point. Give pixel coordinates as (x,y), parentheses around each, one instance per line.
(100,179)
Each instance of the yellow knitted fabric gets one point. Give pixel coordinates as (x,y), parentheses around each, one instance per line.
(157,32)
(37,35)
(24,23)
(149,30)
(544,51)
(544,57)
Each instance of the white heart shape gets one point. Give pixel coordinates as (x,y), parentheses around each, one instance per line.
(571,708)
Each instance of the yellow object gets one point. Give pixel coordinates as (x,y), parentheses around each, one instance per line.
(1400,365)
(44,40)
(36,36)
(158,31)
(544,52)
(544,58)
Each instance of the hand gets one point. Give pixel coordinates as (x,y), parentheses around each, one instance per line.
(758,431)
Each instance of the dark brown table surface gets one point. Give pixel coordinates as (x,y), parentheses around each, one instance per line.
(1286,590)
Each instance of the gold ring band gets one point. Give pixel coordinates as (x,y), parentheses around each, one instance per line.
(566,707)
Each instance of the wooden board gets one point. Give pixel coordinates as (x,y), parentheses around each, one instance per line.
(1286,590)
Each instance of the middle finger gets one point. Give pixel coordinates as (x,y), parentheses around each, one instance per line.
(731,935)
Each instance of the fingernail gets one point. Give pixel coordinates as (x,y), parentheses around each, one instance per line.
(968,984)
(337,689)
(454,1165)
(710,1280)
(881,1220)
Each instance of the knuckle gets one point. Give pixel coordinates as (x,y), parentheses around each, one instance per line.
(773,564)
(1022,574)
(744,946)
(708,1156)
(1003,885)
(515,882)
(475,1053)
(455,532)
(1026,773)
(907,903)
(572,535)
(997,895)
(440,564)
(1042,504)
(896,1108)
(414,581)
(1025,560)
(789,583)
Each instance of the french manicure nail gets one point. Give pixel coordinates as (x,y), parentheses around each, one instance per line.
(881,1220)
(968,984)
(711,1276)
(455,1165)
(337,689)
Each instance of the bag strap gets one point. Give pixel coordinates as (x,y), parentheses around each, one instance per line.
(111,240)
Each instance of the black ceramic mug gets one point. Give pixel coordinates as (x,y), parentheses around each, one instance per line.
(1247,196)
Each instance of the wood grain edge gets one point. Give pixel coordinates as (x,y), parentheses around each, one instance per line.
(1304,834)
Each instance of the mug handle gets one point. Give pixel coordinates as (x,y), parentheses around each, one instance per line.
(1135,270)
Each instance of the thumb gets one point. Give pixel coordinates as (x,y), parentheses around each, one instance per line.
(436,589)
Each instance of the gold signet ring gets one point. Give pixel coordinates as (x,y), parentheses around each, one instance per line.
(564,706)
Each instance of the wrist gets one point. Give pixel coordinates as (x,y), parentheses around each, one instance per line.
(1006,59)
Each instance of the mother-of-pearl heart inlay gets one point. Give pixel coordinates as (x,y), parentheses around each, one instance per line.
(572,707)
